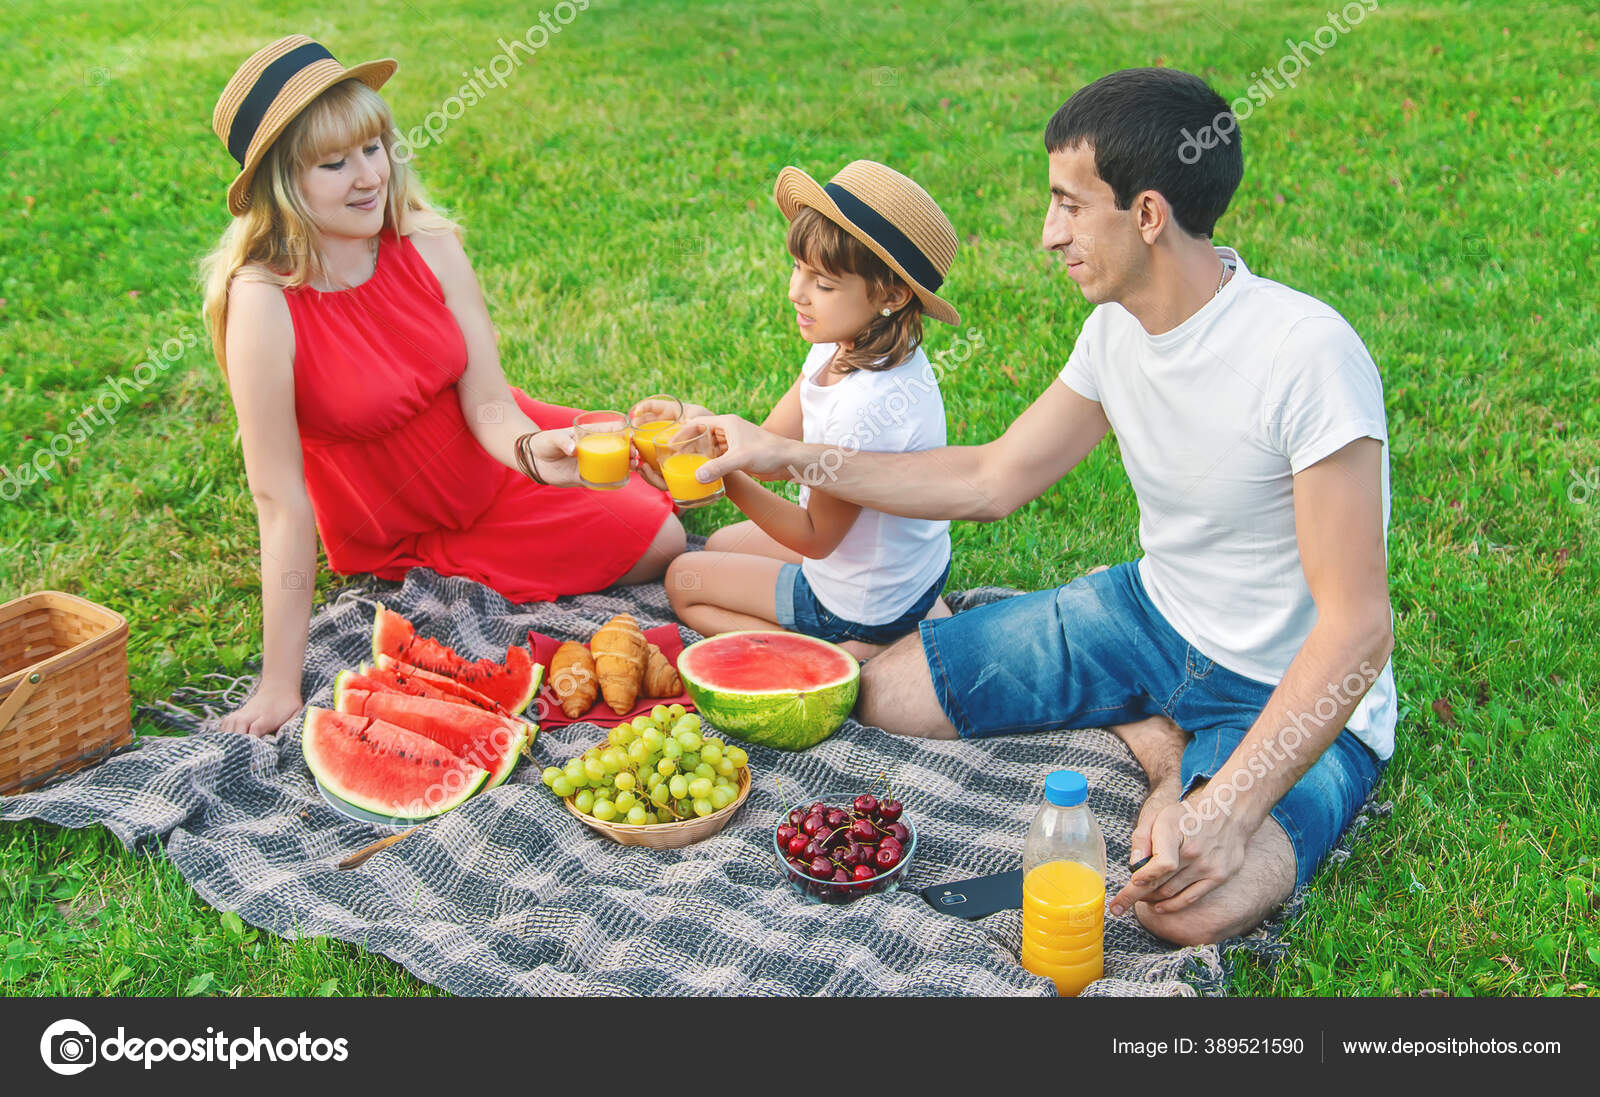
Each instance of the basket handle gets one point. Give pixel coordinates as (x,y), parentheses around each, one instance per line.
(19,697)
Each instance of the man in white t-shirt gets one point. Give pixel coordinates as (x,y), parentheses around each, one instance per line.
(1245,657)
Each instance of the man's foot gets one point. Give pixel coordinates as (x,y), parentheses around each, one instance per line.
(1163,794)
(1158,745)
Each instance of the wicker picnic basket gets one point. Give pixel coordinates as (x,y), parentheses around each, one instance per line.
(63,686)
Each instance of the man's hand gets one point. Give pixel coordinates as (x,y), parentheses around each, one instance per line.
(742,447)
(1195,847)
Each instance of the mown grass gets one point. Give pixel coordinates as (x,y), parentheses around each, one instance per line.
(1429,177)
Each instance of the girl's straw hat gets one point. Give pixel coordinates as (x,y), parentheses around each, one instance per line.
(891,215)
(269,90)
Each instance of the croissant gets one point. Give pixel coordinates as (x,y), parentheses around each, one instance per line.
(572,677)
(619,660)
(660,677)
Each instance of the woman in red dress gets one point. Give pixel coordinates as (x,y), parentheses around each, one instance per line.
(372,408)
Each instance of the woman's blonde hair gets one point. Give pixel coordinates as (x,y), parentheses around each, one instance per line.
(887,340)
(274,240)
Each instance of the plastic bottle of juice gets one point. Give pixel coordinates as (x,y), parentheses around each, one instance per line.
(1064,887)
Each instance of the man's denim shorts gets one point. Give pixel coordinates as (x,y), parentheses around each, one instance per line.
(1097,652)
(799,611)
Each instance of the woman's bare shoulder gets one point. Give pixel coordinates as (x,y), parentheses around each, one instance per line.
(443,253)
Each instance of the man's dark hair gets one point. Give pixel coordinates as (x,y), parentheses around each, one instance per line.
(1160,130)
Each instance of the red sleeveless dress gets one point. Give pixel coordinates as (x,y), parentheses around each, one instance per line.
(396,478)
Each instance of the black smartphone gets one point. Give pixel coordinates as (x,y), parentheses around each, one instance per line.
(977,898)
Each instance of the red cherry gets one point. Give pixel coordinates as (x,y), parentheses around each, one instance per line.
(821,868)
(862,872)
(890,843)
(796,817)
(835,818)
(890,810)
(817,808)
(886,858)
(811,824)
(863,830)
(900,832)
(866,803)
(823,833)
(852,854)
(840,876)
(797,845)
(785,833)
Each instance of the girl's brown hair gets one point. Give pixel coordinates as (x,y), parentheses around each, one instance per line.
(888,340)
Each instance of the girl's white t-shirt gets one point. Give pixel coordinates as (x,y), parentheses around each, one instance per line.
(885,563)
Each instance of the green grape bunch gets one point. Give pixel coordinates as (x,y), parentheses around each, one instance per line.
(653,769)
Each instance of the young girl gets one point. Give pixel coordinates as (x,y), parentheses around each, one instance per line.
(870,252)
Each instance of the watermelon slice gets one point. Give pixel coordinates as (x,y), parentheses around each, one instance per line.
(779,689)
(388,681)
(385,769)
(512,684)
(400,673)
(485,739)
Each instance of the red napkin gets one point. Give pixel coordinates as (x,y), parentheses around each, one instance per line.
(544,647)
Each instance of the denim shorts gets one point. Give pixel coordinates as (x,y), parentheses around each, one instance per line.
(1097,652)
(799,611)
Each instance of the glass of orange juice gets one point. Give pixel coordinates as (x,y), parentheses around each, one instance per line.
(681,452)
(651,417)
(603,451)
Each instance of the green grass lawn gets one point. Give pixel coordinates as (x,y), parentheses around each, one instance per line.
(1431,176)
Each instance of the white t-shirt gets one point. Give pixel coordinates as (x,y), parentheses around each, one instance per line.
(885,563)
(1214,418)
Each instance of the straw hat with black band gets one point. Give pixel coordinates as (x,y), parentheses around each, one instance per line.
(268,90)
(891,215)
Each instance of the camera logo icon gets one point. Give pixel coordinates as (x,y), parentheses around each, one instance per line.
(68,1047)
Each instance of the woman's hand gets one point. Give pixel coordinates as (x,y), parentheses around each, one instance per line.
(555,451)
(267,710)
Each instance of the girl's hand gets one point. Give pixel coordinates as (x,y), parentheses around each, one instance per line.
(556,452)
(268,709)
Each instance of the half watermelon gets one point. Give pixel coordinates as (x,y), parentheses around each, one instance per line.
(779,689)
(511,684)
(480,738)
(385,769)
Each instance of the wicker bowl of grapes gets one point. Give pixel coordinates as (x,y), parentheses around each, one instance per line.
(657,781)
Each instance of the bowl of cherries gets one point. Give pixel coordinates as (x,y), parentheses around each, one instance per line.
(839,848)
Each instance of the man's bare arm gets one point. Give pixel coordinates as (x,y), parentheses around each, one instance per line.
(977,483)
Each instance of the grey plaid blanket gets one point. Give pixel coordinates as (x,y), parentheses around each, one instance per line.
(511,895)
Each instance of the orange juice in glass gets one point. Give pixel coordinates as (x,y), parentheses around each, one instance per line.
(682,452)
(603,449)
(649,419)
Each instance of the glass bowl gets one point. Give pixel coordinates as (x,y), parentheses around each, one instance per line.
(817,891)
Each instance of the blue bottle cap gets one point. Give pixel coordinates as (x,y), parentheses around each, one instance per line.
(1066,788)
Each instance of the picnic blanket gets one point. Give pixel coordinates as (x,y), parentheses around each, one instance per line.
(510,894)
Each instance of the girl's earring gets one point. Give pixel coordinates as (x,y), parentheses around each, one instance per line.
(886,312)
